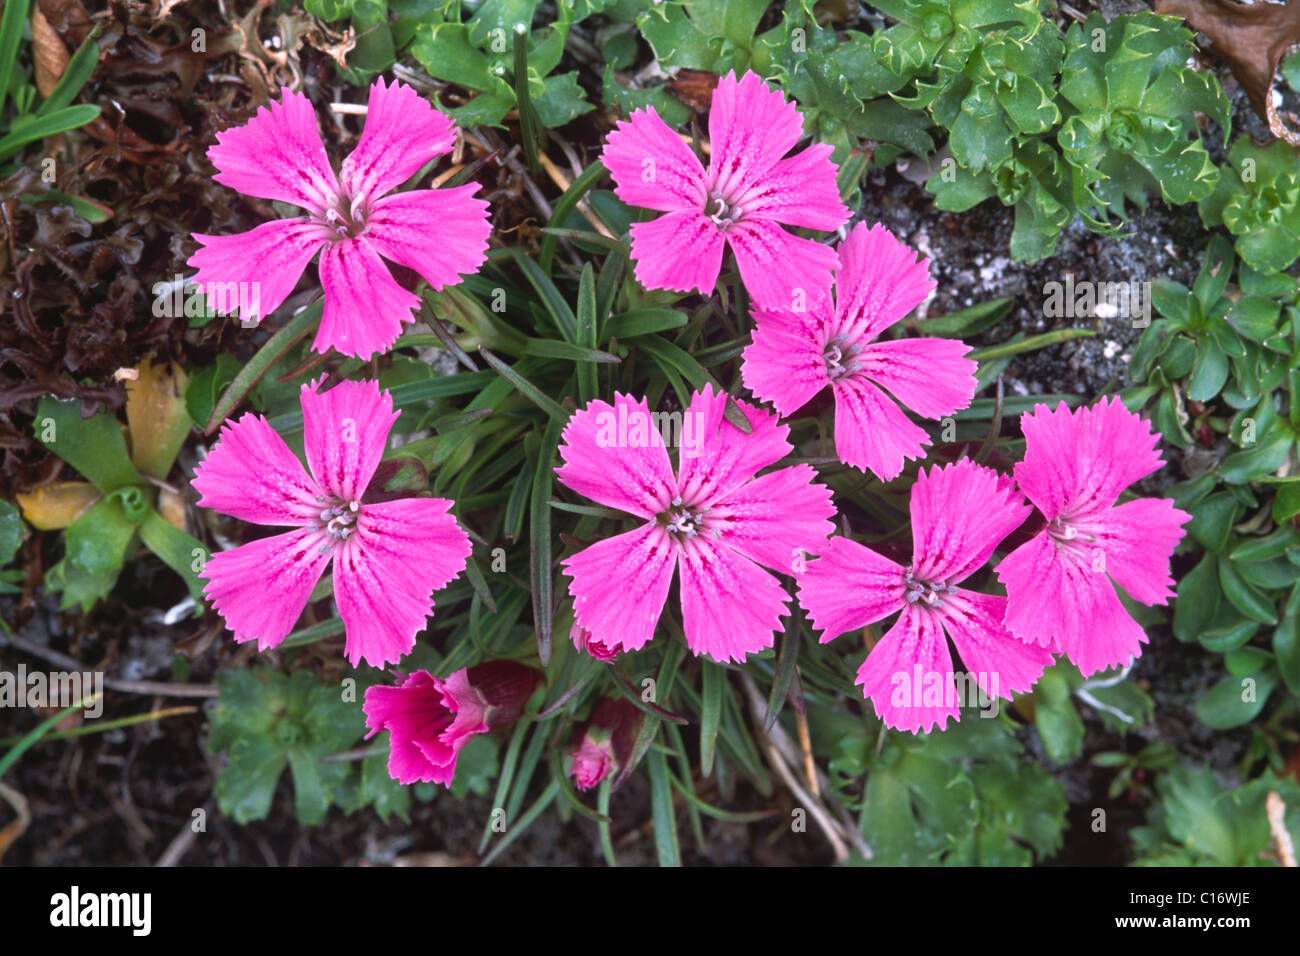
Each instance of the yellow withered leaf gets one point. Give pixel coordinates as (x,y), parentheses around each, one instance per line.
(58,505)
(157,418)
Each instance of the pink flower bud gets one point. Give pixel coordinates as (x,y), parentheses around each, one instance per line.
(604,743)
(429,719)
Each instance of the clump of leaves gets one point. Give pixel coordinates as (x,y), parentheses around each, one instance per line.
(984,85)
(1258,200)
(1197,822)
(494,53)
(964,797)
(840,85)
(268,720)
(1120,126)
(1218,366)
(118,505)
(1135,131)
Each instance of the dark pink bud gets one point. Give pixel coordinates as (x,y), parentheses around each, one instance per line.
(604,743)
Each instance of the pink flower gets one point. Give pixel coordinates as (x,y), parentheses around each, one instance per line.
(389,557)
(714,519)
(350,219)
(1059,590)
(583,641)
(603,744)
(741,200)
(794,356)
(430,719)
(959,515)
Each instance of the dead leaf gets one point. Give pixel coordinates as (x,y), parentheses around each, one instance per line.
(1252,39)
(56,506)
(157,419)
(694,88)
(48,51)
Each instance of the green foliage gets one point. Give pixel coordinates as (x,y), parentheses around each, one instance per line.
(1115,123)
(1258,201)
(1134,133)
(839,85)
(99,540)
(28,121)
(268,720)
(962,797)
(1196,822)
(1231,349)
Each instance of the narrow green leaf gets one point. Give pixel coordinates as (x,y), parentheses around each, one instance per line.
(525,387)
(564,207)
(11,32)
(661,811)
(179,551)
(555,304)
(279,343)
(714,686)
(80,66)
(644,322)
(539,548)
(587,321)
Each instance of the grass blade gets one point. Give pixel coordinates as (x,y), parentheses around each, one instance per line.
(279,343)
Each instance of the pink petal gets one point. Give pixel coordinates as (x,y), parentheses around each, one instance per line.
(591,763)
(785,364)
(780,270)
(1056,599)
(908,675)
(871,432)
(259,267)
(776,520)
(652,167)
(260,588)
(730,606)
(750,127)
(799,191)
(584,642)
(251,474)
(386,573)
(849,587)
(930,376)
(364,305)
(1001,663)
(440,233)
(1138,538)
(345,433)
(681,251)
(1080,461)
(415,716)
(610,464)
(879,281)
(468,704)
(403,132)
(641,564)
(726,457)
(960,514)
(278,154)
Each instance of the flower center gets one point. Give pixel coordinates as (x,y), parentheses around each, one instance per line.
(927,592)
(1066,534)
(347,220)
(338,519)
(839,357)
(722,213)
(685,521)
